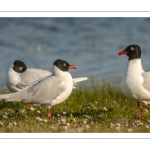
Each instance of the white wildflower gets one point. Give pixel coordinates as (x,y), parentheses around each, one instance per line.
(5,113)
(58,115)
(68,124)
(14,123)
(112,125)
(84,121)
(1,123)
(147,126)
(64,113)
(105,108)
(5,117)
(38,112)
(10,125)
(63,120)
(45,120)
(88,108)
(118,124)
(32,109)
(87,126)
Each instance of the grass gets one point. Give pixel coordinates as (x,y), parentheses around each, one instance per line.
(97,107)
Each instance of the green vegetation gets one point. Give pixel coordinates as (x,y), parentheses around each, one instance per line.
(98,106)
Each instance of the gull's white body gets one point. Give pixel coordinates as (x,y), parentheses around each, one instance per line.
(135,83)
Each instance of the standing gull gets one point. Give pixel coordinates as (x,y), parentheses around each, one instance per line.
(135,83)
(50,90)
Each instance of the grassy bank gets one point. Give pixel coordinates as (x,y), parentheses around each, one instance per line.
(99,106)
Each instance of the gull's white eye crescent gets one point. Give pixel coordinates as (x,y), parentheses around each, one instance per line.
(21,68)
(65,64)
(131,48)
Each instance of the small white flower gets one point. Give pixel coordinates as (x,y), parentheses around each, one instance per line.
(5,117)
(84,121)
(58,115)
(38,118)
(64,113)
(15,123)
(126,123)
(1,123)
(115,102)
(6,113)
(32,109)
(68,124)
(147,126)
(105,108)
(87,126)
(118,124)
(45,120)
(10,125)
(140,124)
(38,112)
(112,125)
(88,108)
(63,120)
(96,102)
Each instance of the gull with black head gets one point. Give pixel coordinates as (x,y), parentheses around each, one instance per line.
(50,90)
(135,83)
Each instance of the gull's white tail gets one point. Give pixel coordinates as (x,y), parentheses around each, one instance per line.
(8,97)
(5,97)
(76,80)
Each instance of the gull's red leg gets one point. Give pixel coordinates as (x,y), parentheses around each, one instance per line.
(29,106)
(138,108)
(144,107)
(49,117)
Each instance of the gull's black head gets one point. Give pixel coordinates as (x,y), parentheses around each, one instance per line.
(63,65)
(19,66)
(132,51)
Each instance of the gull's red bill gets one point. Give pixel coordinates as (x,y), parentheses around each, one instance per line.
(121,53)
(72,67)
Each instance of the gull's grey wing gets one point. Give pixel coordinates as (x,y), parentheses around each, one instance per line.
(45,89)
(21,86)
(146,83)
(31,75)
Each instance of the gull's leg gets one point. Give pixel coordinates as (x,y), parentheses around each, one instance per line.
(29,106)
(144,107)
(49,117)
(138,108)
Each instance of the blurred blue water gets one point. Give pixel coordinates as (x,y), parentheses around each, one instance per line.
(89,43)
